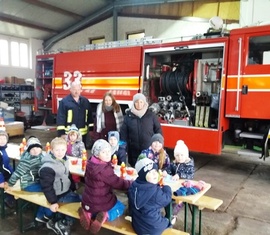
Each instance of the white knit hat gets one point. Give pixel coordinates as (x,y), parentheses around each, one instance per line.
(73,128)
(181,148)
(33,142)
(99,145)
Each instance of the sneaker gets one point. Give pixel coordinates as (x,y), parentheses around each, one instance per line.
(51,225)
(62,228)
(174,218)
(85,218)
(97,223)
(43,219)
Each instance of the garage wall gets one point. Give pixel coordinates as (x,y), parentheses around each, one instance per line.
(153,27)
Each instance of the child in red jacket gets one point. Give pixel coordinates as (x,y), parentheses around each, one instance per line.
(99,203)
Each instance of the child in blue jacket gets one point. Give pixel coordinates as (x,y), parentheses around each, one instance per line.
(146,198)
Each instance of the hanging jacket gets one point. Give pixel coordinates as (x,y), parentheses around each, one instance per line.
(72,112)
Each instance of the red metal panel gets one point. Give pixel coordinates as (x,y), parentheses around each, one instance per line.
(197,139)
(105,62)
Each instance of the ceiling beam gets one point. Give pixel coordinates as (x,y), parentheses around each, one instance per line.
(29,24)
(86,21)
(129,3)
(54,9)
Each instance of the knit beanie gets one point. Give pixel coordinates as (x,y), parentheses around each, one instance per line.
(143,166)
(4,133)
(139,96)
(73,128)
(181,148)
(157,137)
(33,142)
(113,134)
(99,145)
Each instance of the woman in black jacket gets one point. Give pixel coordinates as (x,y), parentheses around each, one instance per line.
(140,124)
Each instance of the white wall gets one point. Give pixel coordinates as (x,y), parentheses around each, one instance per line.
(254,12)
(8,71)
(153,27)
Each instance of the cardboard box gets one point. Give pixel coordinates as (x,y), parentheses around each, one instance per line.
(15,128)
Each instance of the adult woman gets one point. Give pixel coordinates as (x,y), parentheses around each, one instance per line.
(109,117)
(140,124)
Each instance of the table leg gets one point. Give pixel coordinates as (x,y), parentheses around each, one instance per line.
(193,226)
(200,222)
(186,216)
(2,195)
(168,211)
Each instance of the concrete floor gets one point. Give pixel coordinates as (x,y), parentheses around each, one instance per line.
(243,183)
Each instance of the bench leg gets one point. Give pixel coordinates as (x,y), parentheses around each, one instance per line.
(200,222)
(21,206)
(2,195)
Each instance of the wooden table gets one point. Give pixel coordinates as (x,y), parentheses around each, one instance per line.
(191,199)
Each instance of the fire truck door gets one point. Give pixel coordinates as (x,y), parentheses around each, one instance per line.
(234,84)
(255,86)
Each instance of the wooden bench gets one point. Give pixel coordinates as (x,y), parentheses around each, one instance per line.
(120,225)
(204,202)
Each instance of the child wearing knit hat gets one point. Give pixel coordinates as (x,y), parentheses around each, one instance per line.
(27,173)
(157,153)
(147,198)
(99,203)
(118,150)
(181,168)
(75,145)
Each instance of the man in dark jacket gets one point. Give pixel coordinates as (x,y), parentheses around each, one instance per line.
(140,124)
(146,198)
(74,109)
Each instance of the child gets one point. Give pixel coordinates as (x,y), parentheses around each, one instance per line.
(55,183)
(27,173)
(5,169)
(98,199)
(181,168)
(147,198)
(157,153)
(116,149)
(75,147)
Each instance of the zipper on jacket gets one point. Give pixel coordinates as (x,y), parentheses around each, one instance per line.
(61,184)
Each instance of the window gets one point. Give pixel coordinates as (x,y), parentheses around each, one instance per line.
(14,52)
(4,52)
(136,35)
(97,40)
(259,50)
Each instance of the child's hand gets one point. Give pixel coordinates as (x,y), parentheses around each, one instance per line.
(2,185)
(54,207)
(164,173)
(175,177)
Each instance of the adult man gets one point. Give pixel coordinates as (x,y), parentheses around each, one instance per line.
(74,109)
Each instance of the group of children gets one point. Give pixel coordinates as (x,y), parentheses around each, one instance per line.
(49,173)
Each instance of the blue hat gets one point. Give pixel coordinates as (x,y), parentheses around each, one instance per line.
(113,134)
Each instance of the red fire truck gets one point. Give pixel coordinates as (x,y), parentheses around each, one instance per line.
(205,91)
